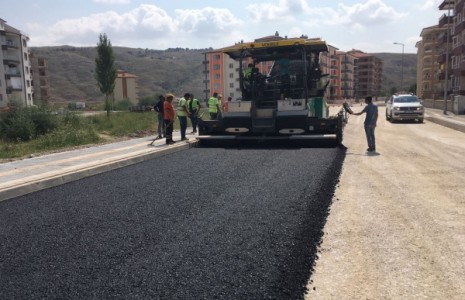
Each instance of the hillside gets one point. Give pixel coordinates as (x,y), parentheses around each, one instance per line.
(392,63)
(159,71)
(72,71)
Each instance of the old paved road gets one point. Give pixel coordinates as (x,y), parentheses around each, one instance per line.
(397,229)
(197,224)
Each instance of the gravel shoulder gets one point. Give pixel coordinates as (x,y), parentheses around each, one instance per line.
(396,229)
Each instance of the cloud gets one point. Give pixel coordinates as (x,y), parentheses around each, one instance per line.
(430,4)
(113,1)
(145,26)
(285,10)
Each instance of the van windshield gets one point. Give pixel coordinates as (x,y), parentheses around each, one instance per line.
(406,99)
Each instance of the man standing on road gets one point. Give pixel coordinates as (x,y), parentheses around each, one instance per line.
(182,115)
(193,106)
(169,115)
(159,109)
(371,118)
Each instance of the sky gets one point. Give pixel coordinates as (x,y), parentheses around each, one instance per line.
(372,26)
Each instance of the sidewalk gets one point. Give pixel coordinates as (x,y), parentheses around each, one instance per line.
(33,174)
(29,175)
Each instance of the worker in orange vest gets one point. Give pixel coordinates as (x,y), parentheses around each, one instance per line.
(169,115)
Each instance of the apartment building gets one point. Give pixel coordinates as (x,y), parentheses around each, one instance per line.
(15,75)
(345,88)
(330,65)
(431,58)
(126,87)
(458,48)
(40,80)
(368,74)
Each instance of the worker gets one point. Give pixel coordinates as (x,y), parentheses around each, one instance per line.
(371,118)
(220,106)
(168,116)
(193,106)
(183,114)
(284,76)
(213,106)
(226,104)
(161,121)
(248,72)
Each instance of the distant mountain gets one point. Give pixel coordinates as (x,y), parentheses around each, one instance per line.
(177,70)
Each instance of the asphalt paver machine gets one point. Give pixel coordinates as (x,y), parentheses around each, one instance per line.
(282,94)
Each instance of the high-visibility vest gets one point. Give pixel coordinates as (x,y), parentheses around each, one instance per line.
(180,111)
(248,73)
(213,105)
(193,105)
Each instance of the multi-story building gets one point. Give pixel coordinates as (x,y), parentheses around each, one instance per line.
(345,87)
(126,87)
(329,64)
(431,63)
(15,75)
(458,47)
(368,76)
(40,80)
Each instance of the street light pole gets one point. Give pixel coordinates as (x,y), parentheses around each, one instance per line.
(446,82)
(401,67)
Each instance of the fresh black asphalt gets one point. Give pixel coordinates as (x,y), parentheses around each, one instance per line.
(198,224)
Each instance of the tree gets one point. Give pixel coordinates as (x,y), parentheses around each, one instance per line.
(105,70)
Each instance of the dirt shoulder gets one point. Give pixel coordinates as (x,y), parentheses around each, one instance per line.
(396,229)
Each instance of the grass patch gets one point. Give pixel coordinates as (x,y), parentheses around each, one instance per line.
(75,130)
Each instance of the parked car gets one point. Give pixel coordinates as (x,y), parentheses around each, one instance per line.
(404,107)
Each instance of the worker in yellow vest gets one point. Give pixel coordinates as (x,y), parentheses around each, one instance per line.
(214,106)
(183,113)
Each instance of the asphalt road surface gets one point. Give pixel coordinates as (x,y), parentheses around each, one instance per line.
(199,224)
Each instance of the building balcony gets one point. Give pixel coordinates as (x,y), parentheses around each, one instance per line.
(347,62)
(205,62)
(447,4)
(444,19)
(11,59)
(459,28)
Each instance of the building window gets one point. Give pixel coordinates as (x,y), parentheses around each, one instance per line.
(27,70)
(217,76)
(216,86)
(216,67)
(216,57)
(29,97)
(1,97)
(231,85)
(231,75)
(28,83)
(25,56)
(231,66)
(24,43)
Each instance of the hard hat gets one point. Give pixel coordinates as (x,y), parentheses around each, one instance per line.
(169,95)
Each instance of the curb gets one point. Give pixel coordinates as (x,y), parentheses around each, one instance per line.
(446,123)
(87,171)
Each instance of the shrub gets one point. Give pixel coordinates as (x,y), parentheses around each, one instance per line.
(17,125)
